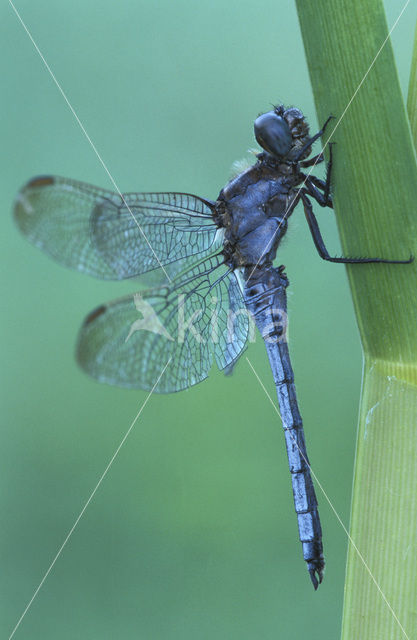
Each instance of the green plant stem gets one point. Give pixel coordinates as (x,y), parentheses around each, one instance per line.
(412,93)
(375,195)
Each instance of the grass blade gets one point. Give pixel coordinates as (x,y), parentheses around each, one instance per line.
(351,65)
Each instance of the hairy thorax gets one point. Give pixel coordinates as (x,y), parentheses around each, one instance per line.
(252,209)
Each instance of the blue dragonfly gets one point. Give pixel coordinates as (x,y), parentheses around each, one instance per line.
(213,265)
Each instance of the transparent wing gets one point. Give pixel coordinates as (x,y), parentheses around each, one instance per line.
(97,232)
(200,315)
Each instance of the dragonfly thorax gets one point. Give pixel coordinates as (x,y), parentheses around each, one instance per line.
(253,209)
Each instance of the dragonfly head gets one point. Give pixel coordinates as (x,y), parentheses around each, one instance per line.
(282,132)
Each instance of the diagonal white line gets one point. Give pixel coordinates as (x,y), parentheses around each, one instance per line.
(331,135)
(86,135)
(317,481)
(103,475)
(146,400)
(366,74)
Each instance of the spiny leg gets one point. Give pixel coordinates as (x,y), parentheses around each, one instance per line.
(313,161)
(328,172)
(312,140)
(318,182)
(319,243)
(313,183)
(313,191)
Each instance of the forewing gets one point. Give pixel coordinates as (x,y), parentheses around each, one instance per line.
(98,232)
(148,230)
(128,342)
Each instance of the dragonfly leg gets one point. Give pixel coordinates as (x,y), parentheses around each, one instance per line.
(313,161)
(312,140)
(319,242)
(312,183)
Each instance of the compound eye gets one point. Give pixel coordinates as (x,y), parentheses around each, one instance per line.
(273,134)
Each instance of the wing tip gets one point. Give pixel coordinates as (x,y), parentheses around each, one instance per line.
(23,206)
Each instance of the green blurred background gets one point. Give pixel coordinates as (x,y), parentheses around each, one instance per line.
(192,533)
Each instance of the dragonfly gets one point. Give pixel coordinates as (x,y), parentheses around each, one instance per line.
(213,275)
